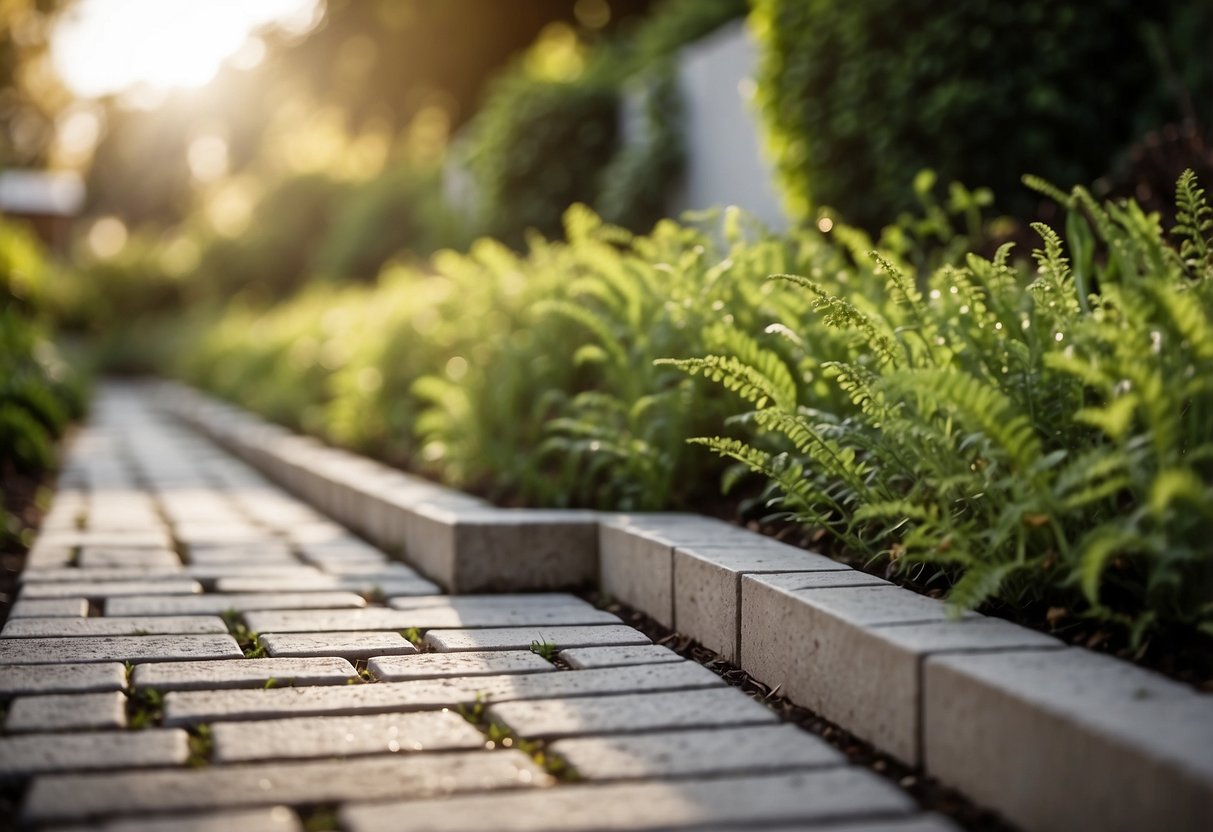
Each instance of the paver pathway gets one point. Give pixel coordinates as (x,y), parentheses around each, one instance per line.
(180,658)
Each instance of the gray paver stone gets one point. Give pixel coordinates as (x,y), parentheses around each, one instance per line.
(82,796)
(109,589)
(802,798)
(264,554)
(910,823)
(49,608)
(751,749)
(469,603)
(1071,739)
(354,645)
(93,557)
(217,603)
(513,638)
(66,712)
(428,617)
(192,707)
(30,754)
(863,675)
(112,626)
(581,658)
(341,736)
(438,665)
(70,574)
(382,585)
(117,648)
(549,718)
(18,679)
(269,819)
(245,673)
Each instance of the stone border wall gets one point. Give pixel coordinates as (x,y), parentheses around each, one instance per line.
(1053,737)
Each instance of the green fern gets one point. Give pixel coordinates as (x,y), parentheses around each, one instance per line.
(1194,224)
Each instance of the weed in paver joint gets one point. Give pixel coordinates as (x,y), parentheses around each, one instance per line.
(322,818)
(414,635)
(201,744)
(473,713)
(249,641)
(553,764)
(545,649)
(144,708)
(375,595)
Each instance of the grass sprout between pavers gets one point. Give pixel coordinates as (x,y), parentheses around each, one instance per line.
(144,709)
(319,818)
(248,640)
(928,792)
(545,649)
(498,735)
(202,746)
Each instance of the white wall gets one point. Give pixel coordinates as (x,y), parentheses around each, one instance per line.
(721,133)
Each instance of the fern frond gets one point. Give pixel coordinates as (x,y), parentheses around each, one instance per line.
(1194,223)
(1053,263)
(1096,551)
(981,405)
(592,321)
(1047,188)
(735,375)
(840,313)
(722,338)
(980,581)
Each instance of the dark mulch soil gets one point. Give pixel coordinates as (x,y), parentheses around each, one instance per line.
(929,793)
(25,500)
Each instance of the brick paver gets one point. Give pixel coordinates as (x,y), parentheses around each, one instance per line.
(269,657)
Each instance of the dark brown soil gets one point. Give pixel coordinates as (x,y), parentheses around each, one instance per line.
(25,501)
(929,793)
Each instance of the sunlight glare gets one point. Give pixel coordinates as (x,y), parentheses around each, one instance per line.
(102,47)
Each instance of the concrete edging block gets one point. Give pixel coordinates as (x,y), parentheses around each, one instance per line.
(1071,739)
(636,558)
(707,585)
(850,647)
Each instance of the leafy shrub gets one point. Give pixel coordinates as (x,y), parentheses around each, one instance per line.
(275,256)
(1039,436)
(538,145)
(858,96)
(672,24)
(544,140)
(637,182)
(399,212)
(456,370)
(106,294)
(38,395)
